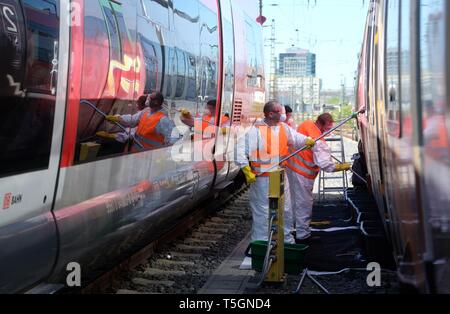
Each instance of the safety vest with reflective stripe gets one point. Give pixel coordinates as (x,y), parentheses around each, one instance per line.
(146,132)
(437,146)
(292,124)
(207,121)
(303,162)
(270,152)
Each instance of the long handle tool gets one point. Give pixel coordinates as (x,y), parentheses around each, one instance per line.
(365,181)
(85,102)
(353,116)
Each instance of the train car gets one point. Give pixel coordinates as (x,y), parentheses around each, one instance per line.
(69,196)
(403,83)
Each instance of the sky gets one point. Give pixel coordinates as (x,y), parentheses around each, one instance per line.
(332,29)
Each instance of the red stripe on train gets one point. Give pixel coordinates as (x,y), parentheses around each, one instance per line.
(74,85)
(220,81)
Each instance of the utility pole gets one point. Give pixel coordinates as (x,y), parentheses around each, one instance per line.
(342,94)
(273,59)
(302,100)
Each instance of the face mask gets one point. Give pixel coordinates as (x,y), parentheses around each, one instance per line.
(283,117)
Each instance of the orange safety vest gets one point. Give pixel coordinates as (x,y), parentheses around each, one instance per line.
(146,132)
(207,121)
(291,123)
(437,146)
(303,162)
(264,157)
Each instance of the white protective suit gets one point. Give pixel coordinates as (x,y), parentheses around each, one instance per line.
(166,127)
(259,191)
(129,119)
(302,189)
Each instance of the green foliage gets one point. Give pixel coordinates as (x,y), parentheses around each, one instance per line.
(334,101)
(346,111)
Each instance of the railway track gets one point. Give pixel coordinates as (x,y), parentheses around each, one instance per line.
(182,260)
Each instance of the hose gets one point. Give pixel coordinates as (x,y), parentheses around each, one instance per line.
(267,264)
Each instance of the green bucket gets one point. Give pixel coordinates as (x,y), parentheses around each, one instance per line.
(294,256)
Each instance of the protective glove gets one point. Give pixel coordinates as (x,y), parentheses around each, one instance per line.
(249,175)
(106,135)
(185,113)
(224,131)
(309,142)
(342,167)
(111,118)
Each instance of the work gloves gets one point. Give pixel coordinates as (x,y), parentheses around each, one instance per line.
(106,135)
(111,118)
(250,177)
(342,167)
(309,142)
(185,113)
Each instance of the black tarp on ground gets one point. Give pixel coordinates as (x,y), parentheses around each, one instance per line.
(337,250)
(336,241)
(327,216)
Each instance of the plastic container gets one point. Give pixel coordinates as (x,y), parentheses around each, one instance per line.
(294,256)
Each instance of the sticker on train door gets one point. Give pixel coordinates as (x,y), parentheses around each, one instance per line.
(7,200)
(10,200)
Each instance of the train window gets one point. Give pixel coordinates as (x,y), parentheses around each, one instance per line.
(181,73)
(187,28)
(433,78)
(116,84)
(28,84)
(228,44)
(368,69)
(252,63)
(209,51)
(435,138)
(202,71)
(392,68)
(113,30)
(150,45)
(191,93)
(170,74)
(157,11)
(405,71)
(151,65)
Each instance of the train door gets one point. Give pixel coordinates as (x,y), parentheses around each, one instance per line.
(207,79)
(392,119)
(34,44)
(223,152)
(434,27)
(375,102)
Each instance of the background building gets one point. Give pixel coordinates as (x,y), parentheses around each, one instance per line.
(296,82)
(297,62)
(301,93)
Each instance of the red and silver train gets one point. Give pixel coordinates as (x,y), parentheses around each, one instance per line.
(68,196)
(403,82)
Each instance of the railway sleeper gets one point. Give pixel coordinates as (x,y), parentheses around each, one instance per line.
(152,283)
(174,264)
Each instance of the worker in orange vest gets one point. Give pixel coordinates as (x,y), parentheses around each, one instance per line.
(154,127)
(303,169)
(262,148)
(204,125)
(123,137)
(289,117)
(435,135)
